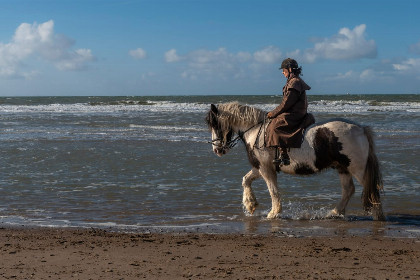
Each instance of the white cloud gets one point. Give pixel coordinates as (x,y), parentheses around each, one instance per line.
(39,40)
(347,75)
(203,58)
(411,64)
(172,56)
(223,64)
(74,60)
(243,56)
(379,73)
(137,53)
(210,63)
(367,75)
(268,55)
(207,62)
(346,45)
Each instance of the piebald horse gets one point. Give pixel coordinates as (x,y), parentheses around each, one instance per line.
(339,144)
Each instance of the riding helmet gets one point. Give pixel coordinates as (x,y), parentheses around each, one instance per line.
(289,63)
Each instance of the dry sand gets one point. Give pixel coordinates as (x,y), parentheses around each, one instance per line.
(98,254)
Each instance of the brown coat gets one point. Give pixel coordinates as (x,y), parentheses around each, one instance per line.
(290,118)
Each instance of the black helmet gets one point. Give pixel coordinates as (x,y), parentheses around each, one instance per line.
(289,63)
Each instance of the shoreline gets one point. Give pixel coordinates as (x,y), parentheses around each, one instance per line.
(60,253)
(396,226)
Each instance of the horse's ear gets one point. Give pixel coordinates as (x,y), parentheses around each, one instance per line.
(214,109)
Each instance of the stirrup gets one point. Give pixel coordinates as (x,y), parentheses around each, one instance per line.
(282,161)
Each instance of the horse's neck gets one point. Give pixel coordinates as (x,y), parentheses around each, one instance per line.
(242,118)
(252,134)
(241,126)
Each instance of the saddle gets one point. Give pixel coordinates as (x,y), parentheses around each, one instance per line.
(295,138)
(307,122)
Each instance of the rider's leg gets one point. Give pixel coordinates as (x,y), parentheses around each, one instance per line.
(282,158)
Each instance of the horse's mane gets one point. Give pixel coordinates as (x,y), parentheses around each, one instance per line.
(234,113)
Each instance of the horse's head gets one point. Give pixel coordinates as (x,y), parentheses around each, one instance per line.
(221,132)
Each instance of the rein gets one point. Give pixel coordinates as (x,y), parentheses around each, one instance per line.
(262,127)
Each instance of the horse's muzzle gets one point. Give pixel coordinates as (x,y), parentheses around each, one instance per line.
(220,151)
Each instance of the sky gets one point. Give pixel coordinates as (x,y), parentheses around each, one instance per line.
(207,47)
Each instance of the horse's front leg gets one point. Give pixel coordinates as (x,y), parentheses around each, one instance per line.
(248,198)
(270,176)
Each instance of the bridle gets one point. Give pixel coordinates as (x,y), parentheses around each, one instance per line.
(232,143)
(228,145)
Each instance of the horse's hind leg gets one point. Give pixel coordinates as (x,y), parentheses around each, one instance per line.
(347,191)
(375,208)
(248,198)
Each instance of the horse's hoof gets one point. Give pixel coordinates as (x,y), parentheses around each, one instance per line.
(378,215)
(334,214)
(252,209)
(271,216)
(250,206)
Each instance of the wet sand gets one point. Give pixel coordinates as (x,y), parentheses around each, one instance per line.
(97,254)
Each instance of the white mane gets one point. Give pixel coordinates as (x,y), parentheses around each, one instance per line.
(238,115)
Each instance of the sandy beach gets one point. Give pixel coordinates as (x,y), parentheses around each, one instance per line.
(41,253)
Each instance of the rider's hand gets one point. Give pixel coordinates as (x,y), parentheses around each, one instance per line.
(269,115)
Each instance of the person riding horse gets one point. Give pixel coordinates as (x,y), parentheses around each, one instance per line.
(290,118)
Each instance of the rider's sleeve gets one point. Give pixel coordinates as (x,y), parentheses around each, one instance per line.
(289,99)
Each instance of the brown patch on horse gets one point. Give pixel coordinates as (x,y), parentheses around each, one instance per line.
(303,169)
(327,151)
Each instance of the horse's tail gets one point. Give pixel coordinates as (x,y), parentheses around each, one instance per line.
(372,179)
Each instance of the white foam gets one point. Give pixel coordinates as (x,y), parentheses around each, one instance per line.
(296,211)
(359,106)
(162,106)
(168,128)
(170,106)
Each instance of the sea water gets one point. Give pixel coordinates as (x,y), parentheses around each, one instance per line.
(144,164)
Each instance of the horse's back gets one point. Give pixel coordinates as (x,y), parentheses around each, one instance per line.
(342,136)
(335,122)
(340,127)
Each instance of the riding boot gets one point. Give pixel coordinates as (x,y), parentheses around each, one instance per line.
(282,158)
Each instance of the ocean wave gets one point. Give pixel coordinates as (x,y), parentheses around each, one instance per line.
(168,128)
(360,106)
(332,106)
(122,102)
(161,106)
(363,106)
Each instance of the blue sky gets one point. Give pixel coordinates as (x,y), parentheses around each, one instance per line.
(203,47)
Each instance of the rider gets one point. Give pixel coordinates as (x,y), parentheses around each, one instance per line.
(290,118)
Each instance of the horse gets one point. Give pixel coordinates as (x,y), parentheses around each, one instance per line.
(339,143)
